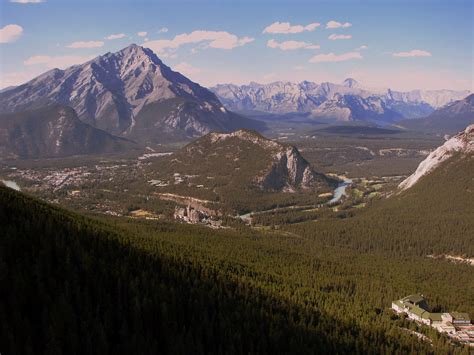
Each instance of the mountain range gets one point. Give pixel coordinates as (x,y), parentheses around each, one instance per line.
(130,93)
(450,119)
(348,101)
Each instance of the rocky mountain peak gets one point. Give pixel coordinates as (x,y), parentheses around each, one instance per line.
(350,83)
(129,93)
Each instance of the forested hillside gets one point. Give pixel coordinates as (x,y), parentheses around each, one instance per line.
(70,284)
(435,216)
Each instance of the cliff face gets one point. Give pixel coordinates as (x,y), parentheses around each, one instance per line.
(462,143)
(289,171)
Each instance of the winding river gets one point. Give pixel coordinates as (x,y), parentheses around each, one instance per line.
(339,191)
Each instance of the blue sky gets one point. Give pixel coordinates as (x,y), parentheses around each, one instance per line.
(382,43)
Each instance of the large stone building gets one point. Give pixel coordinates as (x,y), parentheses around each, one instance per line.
(455,324)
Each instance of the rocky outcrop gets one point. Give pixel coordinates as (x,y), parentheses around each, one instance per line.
(462,143)
(288,172)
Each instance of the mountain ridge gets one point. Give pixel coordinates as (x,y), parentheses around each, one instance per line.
(286,97)
(111,91)
(448,119)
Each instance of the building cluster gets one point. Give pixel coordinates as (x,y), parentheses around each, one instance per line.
(193,215)
(456,325)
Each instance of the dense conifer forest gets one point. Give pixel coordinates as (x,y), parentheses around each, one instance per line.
(74,284)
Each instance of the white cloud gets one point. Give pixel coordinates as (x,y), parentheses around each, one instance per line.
(142,33)
(60,62)
(299,67)
(212,39)
(10,33)
(331,57)
(186,69)
(286,28)
(335,37)
(86,44)
(116,36)
(412,53)
(163,30)
(27,1)
(291,45)
(334,24)
(364,46)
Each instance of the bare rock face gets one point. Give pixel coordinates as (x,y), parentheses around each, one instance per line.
(462,143)
(289,171)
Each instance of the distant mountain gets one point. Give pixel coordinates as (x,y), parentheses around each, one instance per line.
(130,93)
(461,145)
(448,119)
(53,131)
(356,108)
(344,101)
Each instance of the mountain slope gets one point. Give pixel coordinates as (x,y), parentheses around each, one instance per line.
(112,91)
(239,171)
(71,284)
(285,97)
(53,131)
(461,146)
(249,159)
(448,119)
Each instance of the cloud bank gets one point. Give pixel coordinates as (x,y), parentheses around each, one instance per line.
(287,28)
(412,53)
(291,45)
(86,44)
(211,39)
(116,36)
(335,37)
(331,57)
(334,24)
